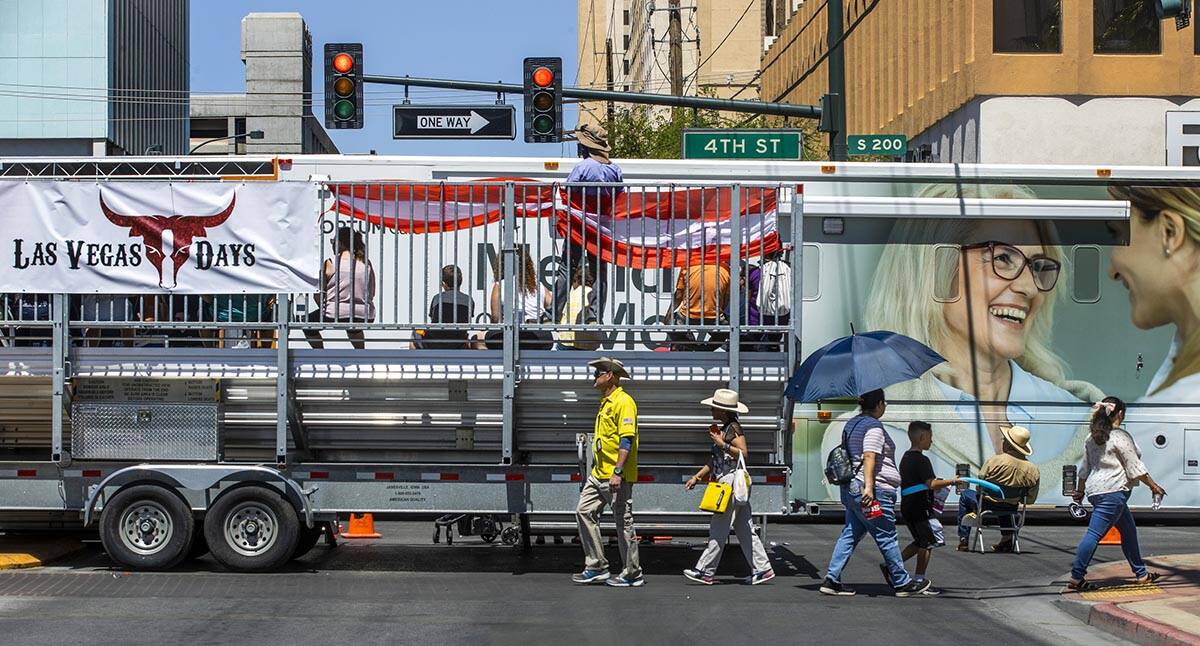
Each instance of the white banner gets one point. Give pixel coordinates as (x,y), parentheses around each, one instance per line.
(144,237)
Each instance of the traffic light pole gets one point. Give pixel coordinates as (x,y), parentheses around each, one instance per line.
(700,102)
(837,81)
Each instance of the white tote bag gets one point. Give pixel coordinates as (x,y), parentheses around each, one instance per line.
(739,480)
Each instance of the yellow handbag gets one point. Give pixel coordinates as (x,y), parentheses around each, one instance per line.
(716,497)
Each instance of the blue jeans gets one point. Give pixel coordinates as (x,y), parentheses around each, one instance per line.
(968,501)
(1108,510)
(882,529)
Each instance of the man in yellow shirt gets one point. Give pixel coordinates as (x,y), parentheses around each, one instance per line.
(614,470)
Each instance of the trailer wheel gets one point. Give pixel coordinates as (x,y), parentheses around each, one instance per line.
(308,539)
(147,527)
(510,535)
(252,529)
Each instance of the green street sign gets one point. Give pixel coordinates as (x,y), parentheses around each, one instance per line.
(890,145)
(717,143)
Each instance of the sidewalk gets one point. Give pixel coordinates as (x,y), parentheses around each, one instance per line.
(1165,612)
(17,552)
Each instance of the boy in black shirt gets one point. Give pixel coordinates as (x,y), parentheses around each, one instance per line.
(917,483)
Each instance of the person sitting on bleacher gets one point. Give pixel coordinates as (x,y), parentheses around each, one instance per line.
(1012,470)
(450,305)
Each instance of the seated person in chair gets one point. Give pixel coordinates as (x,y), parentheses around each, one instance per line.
(450,305)
(1011,470)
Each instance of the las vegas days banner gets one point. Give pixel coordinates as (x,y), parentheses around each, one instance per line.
(138,237)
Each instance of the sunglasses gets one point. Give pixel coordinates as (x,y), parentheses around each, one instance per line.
(1008,262)
(599,373)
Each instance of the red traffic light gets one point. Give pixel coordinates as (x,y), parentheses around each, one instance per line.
(343,63)
(543,77)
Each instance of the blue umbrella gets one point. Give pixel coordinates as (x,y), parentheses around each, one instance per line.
(860,363)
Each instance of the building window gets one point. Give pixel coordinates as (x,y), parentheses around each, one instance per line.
(625,41)
(1126,27)
(625,66)
(1027,26)
(625,17)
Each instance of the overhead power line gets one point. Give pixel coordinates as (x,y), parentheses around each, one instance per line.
(822,58)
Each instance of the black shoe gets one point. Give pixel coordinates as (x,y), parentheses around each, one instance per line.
(836,589)
(913,587)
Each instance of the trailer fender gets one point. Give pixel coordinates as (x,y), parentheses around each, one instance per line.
(198,477)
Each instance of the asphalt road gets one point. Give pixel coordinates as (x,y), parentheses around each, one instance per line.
(403,589)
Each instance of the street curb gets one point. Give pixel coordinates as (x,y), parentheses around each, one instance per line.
(23,554)
(1110,618)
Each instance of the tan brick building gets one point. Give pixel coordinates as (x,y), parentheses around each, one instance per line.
(1058,81)
(721,44)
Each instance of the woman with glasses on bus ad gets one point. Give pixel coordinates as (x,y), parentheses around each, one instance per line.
(986,303)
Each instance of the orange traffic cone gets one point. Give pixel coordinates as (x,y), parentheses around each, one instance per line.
(362,526)
(1113,537)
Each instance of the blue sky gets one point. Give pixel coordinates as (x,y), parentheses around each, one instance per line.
(472,39)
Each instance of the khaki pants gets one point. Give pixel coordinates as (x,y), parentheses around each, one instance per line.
(592,500)
(718,535)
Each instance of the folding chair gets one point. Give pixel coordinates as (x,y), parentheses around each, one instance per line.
(999,512)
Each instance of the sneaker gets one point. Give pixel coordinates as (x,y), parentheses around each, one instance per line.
(930,591)
(913,587)
(964,545)
(698,576)
(887,577)
(590,576)
(622,582)
(760,577)
(836,589)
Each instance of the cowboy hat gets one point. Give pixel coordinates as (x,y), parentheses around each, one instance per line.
(595,138)
(726,399)
(1018,438)
(610,365)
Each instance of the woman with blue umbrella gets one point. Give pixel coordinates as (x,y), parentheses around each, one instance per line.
(863,365)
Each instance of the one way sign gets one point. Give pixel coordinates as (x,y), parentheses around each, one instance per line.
(454,122)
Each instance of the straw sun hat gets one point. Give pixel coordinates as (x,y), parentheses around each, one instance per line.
(726,399)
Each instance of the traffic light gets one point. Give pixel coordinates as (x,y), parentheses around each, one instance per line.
(343,85)
(542,81)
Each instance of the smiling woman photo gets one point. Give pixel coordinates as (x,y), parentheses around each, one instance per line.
(1159,268)
(988,309)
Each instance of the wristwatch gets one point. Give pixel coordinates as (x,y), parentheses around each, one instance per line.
(618,471)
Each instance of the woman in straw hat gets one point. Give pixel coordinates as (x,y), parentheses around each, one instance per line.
(729,442)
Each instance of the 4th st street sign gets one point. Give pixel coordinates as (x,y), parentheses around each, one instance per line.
(454,122)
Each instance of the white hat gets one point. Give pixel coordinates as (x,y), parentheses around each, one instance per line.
(726,399)
(1018,438)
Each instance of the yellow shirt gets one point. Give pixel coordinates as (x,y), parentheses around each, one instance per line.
(617,419)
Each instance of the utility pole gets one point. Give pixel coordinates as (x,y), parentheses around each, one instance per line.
(611,112)
(675,53)
(837,82)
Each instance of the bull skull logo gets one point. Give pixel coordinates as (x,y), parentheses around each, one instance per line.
(167,236)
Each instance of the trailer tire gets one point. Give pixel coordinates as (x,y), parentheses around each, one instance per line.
(147,527)
(252,529)
(308,539)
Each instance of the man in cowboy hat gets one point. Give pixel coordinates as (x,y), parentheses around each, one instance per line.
(614,470)
(1011,469)
(595,166)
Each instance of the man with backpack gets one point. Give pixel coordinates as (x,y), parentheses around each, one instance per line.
(864,467)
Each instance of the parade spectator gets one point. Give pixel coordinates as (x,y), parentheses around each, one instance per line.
(870,500)
(348,289)
(1012,470)
(729,443)
(1112,466)
(579,313)
(451,305)
(610,483)
(532,303)
(701,298)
